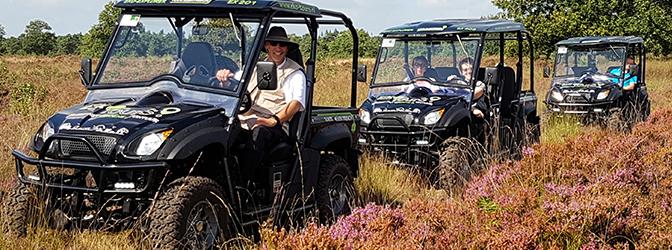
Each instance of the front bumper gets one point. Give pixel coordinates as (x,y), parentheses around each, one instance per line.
(415,145)
(579,108)
(71,175)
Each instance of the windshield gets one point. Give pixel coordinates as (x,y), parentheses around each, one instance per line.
(191,49)
(575,61)
(433,64)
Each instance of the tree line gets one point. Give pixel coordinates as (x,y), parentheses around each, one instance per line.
(548,21)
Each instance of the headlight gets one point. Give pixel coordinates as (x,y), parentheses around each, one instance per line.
(557,95)
(151,142)
(432,117)
(365,116)
(41,136)
(603,94)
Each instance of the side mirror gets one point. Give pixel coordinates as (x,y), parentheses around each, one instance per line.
(267,76)
(361,73)
(85,73)
(547,72)
(634,70)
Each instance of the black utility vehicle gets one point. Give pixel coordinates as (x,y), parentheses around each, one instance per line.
(590,79)
(154,142)
(419,119)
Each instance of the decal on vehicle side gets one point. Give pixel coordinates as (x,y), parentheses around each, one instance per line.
(94,106)
(466,28)
(299,7)
(433,29)
(241,2)
(397,110)
(170,111)
(145,1)
(121,112)
(406,100)
(398,30)
(192,1)
(97,128)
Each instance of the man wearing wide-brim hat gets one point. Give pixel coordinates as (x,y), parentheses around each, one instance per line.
(267,121)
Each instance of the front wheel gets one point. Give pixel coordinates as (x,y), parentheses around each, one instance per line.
(616,120)
(334,188)
(17,213)
(460,159)
(190,214)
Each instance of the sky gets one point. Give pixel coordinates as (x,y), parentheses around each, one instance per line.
(77,16)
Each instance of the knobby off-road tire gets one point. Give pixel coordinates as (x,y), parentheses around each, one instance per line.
(460,158)
(17,209)
(334,188)
(190,214)
(616,121)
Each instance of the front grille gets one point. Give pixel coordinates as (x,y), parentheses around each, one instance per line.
(104,144)
(577,98)
(387,120)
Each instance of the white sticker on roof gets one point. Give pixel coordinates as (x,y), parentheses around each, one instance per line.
(562,50)
(388,43)
(130,20)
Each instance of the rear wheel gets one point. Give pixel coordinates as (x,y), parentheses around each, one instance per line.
(190,214)
(334,188)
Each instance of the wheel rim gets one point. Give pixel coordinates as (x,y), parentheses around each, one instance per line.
(337,194)
(202,226)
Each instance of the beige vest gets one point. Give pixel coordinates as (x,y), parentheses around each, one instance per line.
(266,103)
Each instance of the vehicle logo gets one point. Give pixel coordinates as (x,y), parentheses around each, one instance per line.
(170,111)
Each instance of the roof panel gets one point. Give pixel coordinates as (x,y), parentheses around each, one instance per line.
(444,26)
(594,40)
(284,6)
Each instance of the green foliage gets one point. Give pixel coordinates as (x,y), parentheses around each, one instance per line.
(487,205)
(93,43)
(38,38)
(68,44)
(7,79)
(335,44)
(12,46)
(341,46)
(2,32)
(26,96)
(550,21)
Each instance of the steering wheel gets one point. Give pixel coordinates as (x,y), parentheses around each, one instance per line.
(421,78)
(245,103)
(458,79)
(419,91)
(214,82)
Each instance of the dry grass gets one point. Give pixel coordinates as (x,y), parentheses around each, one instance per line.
(379,182)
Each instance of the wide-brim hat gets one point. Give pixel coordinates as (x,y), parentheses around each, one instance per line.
(278,34)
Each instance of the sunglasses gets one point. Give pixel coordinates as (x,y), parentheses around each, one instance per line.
(419,65)
(275,43)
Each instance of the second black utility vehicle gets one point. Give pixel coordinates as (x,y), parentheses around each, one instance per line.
(439,82)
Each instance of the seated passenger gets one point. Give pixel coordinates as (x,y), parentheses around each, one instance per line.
(629,82)
(466,67)
(266,123)
(420,64)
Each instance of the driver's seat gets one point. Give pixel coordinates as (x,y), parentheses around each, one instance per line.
(199,61)
(285,150)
